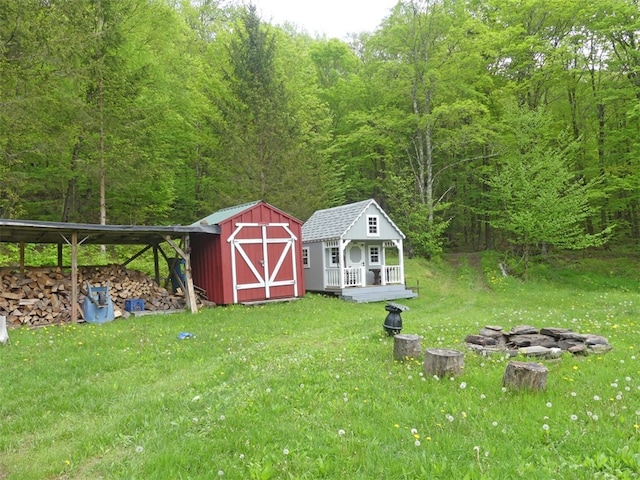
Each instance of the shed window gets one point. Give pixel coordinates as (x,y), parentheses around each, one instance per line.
(373,228)
(374,255)
(334,257)
(305,257)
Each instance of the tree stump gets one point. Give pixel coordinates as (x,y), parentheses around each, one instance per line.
(443,362)
(406,346)
(525,375)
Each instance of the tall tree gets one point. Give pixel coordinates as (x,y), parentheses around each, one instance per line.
(537,201)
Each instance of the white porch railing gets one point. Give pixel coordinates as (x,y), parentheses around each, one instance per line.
(355,277)
(393,274)
(332,277)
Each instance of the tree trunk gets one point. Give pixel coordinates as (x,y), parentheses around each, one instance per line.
(525,375)
(406,346)
(443,362)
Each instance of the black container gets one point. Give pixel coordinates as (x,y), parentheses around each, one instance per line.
(393,323)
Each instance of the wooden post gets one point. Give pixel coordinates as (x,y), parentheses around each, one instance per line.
(406,346)
(74,277)
(525,375)
(156,264)
(60,256)
(190,294)
(443,362)
(21,258)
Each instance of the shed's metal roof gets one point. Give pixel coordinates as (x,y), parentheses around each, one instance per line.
(332,223)
(30,231)
(221,215)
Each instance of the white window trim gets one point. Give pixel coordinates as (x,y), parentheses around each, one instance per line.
(377,232)
(379,262)
(331,263)
(305,257)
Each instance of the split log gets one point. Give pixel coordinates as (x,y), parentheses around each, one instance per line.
(443,362)
(406,346)
(525,375)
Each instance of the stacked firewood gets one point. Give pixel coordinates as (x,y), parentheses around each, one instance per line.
(42,296)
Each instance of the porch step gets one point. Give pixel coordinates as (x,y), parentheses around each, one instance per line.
(376,294)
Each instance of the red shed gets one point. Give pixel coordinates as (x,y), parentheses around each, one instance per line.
(256,257)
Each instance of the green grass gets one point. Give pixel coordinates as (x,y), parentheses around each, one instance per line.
(310,389)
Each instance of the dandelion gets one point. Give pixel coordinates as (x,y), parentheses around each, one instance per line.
(413,431)
(476,449)
(285,451)
(241,456)
(495,424)
(574,417)
(417,443)
(482,396)
(268,390)
(341,433)
(463,385)
(504,389)
(595,417)
(302,385)
(449,417)
(545,427)
(220,473)
(574,394)
(139,449)
(222,418)
(436,377)
(549,404)
(596,398)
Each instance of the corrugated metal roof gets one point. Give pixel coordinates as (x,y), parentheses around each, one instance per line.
(221,215)
(30,231)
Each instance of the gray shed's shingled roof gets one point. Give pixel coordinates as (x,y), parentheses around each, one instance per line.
(334,222)
(221,215)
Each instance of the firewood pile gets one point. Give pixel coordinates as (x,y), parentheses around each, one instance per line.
(42,296)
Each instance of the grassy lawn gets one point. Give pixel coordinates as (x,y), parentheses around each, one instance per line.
(310,389)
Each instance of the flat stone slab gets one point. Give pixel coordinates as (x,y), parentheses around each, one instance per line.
(527,340)
(538,351)
(522,330)
(490,332)
(555,332)
(480,340)
(596,340)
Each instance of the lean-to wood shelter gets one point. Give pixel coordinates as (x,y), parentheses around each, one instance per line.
(76,234)
(256,258)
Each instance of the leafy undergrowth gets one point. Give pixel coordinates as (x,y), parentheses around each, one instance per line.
(309,389)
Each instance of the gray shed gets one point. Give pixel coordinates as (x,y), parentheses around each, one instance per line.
(354,251)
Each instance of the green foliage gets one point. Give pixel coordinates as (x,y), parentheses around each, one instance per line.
(180,108)
(538,202)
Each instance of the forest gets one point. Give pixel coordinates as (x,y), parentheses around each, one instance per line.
(476,124)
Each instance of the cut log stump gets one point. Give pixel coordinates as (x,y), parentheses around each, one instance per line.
(406,346)
(525,376)
(443,362)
